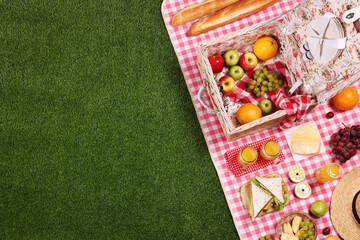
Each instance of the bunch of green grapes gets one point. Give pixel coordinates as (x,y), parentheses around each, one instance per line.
(262,82)
(267,237)
(307,230)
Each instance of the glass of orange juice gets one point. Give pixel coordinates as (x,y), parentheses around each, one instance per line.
(247,156)
(270,150)
(328,173)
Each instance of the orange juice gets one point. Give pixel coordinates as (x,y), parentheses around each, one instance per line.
(328,173)
(247,156)
(270,150)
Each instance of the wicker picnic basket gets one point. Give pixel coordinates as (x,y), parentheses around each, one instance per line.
(289,54)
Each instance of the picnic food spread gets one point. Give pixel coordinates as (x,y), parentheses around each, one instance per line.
(262,82)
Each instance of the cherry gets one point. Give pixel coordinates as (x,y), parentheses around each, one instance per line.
(326,231)
(329,115)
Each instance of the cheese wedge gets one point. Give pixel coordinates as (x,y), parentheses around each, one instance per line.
(286,236)
(298,234)
(305,147)
(306,139)
(296,223)
(287,228)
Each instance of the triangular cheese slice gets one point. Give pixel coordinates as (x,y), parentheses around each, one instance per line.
(259,199)
(306,139)
(274,185)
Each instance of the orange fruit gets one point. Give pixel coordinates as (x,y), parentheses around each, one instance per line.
(265,48)
(248,112)
(346,99)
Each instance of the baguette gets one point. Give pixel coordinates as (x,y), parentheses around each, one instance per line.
(229,14)
(198,10)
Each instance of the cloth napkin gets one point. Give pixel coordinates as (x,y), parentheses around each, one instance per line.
(295,106)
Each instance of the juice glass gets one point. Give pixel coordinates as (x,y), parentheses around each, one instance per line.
(270,150)
(328,173)
(247,156)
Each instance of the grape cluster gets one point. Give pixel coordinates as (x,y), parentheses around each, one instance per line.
(345,142)
(307,230)
(262,82)
(267,237)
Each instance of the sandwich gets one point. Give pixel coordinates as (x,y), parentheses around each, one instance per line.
(275,187)
(260,201)
(263,195)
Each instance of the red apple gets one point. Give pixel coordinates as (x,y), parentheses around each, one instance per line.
(248,61)
(228,85)
(216,62)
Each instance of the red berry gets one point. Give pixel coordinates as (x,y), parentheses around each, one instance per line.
(326,231)
(329,115)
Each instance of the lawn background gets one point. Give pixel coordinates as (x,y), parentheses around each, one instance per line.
(98,135)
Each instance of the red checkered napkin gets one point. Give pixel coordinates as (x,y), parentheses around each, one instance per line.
(295,106)
(236,168)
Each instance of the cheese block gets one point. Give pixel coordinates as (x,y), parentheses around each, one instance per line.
(306,139)
(286,236)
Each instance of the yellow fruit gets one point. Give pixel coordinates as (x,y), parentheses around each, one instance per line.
(332,238)
(265,48)
(248,112)
(346,99)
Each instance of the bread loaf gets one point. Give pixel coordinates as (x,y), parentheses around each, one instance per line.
(198,10)
(229,14)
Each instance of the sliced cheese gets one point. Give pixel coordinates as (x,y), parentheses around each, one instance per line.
(306,139)
(287,228)
(308,131)
(298,234)
(286,236)
(305,147)
(296,223)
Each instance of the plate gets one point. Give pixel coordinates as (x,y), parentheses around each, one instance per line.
(333,31)
(299,157)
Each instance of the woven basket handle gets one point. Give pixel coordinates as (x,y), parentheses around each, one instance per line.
(200,97)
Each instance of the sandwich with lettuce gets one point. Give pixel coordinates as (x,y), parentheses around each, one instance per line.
(267,194)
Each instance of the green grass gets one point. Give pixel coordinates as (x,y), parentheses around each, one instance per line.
(98,135)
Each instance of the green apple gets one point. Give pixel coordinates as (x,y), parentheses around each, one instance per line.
(231,57)
(266,106)
(318,209)
(236,72)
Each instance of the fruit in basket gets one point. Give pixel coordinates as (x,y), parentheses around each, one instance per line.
(248,61)
(318,209)
(266,106)
(216,62)
(231,57)
(344,143)
(227,84)
(236,72)
(346,99)
(248,112)
(262,82)
(265,48)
